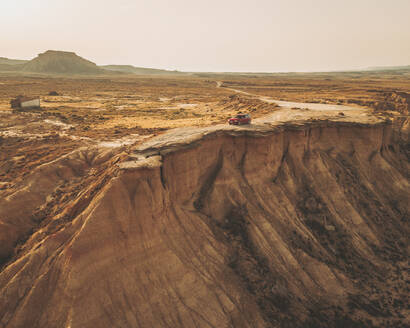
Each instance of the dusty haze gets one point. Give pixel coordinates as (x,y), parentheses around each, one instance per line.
(262,35)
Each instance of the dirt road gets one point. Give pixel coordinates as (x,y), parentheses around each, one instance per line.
(286,114)
(291,111)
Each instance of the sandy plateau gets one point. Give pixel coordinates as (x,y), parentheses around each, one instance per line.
(130,202)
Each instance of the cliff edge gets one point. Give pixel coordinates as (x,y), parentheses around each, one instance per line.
(300,224)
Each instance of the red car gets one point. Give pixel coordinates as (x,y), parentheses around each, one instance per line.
(240,119)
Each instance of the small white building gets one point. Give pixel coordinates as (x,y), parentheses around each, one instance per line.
(25,102)
(30,103)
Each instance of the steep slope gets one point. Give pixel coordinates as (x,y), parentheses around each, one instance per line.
(296,225)
(138,70)
(61,62)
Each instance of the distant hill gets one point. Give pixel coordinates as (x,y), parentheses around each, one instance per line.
(8,65)
(389,68)
(7,61)
(138,70)
(61,62)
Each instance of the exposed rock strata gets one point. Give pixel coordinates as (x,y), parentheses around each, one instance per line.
(289,226)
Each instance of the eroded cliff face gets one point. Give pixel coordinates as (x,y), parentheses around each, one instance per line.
(294,226)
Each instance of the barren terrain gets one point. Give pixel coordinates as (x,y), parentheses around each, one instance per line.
(129,202)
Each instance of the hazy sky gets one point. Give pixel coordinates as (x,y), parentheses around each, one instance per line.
(212,35)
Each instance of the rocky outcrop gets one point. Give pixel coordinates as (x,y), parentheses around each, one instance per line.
(288,226)
(394,101)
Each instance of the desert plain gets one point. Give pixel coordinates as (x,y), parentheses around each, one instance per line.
(120,110)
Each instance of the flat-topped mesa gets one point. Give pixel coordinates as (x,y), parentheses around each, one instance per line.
(61,62)
(58,53)
(300,225)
